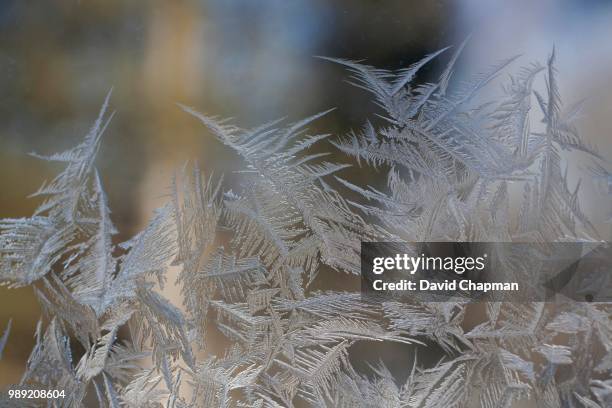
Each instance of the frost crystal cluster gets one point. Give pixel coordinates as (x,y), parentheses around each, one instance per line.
(254,264)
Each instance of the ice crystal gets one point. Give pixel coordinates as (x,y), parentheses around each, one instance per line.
(450,162)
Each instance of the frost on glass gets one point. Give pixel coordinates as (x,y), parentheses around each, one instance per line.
(451,165)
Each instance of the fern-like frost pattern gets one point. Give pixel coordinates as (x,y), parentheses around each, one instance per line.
(451,163)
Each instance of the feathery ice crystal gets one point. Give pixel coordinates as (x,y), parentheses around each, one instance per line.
(451,167)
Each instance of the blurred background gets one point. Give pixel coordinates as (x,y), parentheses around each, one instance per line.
(250,60)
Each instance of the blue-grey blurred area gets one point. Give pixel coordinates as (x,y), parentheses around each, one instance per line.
(580,32)
(250,60)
